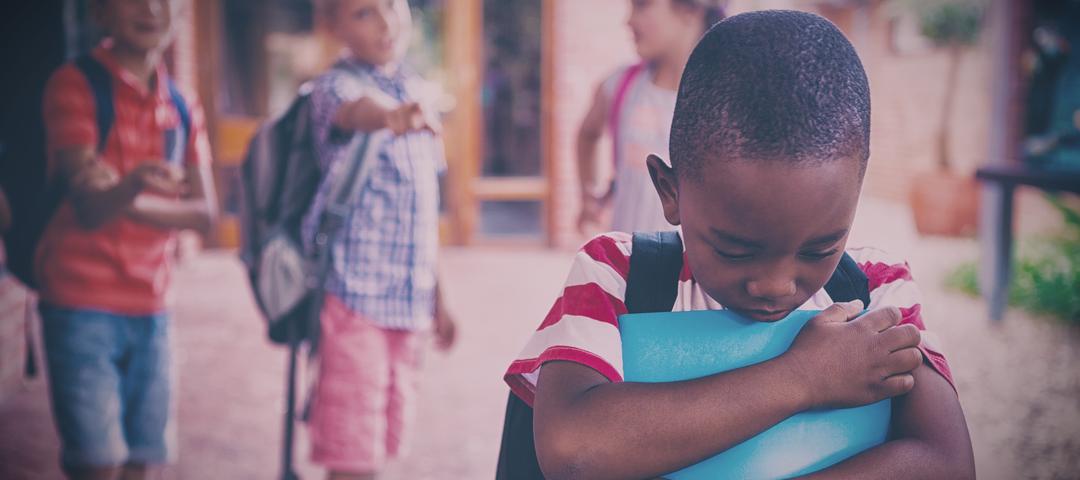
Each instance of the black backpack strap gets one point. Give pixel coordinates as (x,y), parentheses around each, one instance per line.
(655,263)
(101,87)
(517,455)
(176,139)
(848,282)
(656,260)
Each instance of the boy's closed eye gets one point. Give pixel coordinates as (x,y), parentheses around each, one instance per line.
(743,256)
(363,13)
(819,255)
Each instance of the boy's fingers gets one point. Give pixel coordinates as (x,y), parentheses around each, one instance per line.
(881,319)
(841,312)
(446,334)
(163,186)
(904,361)
(898,384)
(901,337)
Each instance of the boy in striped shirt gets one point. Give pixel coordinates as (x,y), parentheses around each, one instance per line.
(769,145)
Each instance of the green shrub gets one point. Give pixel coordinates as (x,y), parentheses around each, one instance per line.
(1046,276)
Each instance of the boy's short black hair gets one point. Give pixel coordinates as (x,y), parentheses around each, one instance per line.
(771,85)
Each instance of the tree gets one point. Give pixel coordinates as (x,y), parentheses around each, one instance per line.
(953,25)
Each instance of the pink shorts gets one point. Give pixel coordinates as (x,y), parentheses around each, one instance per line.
(365,393)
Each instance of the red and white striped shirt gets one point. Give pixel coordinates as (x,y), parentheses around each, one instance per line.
(582,326)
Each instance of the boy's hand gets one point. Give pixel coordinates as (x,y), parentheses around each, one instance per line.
(445,329)
(593,209)
(157,177)
(591,212)
(848,361)
(411,117)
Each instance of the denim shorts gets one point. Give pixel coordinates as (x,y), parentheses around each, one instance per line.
(111,381)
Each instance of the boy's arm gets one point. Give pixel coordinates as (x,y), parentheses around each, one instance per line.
(588,427)
(929,438)
(445,325)
(588,140)
(376,111)
(197,211)
(98,194)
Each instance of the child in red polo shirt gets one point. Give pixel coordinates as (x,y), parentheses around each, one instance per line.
(104,261)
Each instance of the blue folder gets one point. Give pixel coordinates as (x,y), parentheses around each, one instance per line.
(667,347)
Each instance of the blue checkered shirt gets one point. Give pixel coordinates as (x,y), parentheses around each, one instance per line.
(384,259)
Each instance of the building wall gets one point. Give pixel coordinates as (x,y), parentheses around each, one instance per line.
(907,92)
(907,98)
(586,48)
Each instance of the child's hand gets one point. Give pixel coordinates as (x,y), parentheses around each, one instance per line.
(445,329)
(411,117)
(591,212)
(848,361)
(157,177)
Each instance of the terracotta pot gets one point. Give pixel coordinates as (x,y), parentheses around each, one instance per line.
(945,203)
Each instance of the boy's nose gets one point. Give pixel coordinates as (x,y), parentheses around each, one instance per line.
(153,7)
(771,289)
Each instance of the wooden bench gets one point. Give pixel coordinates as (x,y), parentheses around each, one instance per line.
(996,227)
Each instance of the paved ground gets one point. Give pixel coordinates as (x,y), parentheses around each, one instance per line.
(1019,381)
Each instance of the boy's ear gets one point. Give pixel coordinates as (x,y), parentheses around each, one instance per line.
(667,187)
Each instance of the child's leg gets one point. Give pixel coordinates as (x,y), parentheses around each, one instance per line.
(405,354)
(82,349)
(348,417)
(147,387)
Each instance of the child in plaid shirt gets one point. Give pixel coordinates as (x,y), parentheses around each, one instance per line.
(382,290)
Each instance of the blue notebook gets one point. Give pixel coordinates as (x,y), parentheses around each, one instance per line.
(666,347)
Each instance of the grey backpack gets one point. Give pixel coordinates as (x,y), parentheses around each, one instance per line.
(280,176)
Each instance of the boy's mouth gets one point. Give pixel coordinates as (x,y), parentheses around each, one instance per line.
(146,28)
(764,315)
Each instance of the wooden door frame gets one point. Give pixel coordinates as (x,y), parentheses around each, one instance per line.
(467,188)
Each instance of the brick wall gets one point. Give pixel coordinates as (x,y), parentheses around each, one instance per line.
(907,96)
(587,46)
(184,56)
(907,89)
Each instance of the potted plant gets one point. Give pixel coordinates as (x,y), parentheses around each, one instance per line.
(943,201)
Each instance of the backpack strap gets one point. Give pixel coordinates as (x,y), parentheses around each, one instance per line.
(349,175)
(656,259)
(176,138)
(615,114)
(101,87)
(848,282)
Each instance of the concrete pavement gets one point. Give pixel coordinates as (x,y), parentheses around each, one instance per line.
(1018,381)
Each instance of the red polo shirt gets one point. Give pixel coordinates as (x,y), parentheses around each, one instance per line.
(123,266)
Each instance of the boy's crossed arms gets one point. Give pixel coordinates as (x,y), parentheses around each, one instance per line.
(588,427)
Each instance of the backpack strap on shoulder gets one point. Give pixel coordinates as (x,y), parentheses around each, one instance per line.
(176,138)
(656,259)
(848,282)
(615,114)
(101,87)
